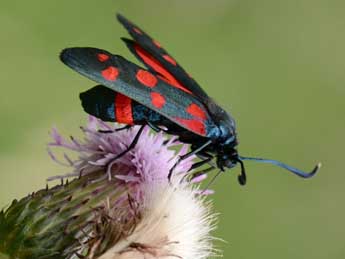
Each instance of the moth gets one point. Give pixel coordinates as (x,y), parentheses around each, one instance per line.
(162,96)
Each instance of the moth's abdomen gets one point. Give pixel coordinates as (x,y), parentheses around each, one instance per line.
(109,105)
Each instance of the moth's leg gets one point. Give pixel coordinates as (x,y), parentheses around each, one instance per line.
(129,148)
(205,159)
(134,142)
(212,180)
(193,152)
(124,128)
(193,175)
(155,127)
(112,131)
(206,156)
(167,141)
(201,172)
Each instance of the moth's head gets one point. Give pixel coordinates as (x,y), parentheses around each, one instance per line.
(229,159)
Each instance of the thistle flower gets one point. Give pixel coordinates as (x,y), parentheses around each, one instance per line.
(113,208)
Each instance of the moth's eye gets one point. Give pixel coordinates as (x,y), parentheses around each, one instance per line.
(229,163)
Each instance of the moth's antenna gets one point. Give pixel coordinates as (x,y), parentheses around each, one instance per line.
(285,166)
(242,178)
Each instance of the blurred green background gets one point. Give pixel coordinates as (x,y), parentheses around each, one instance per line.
(277,65)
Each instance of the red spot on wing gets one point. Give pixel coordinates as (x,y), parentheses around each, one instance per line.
(157,100)
(123,109)
(156,66)
(170,59)
(102,57)
(193,125)
(196,111)
(137,30)
(157,44)
(146,78)
(111,73)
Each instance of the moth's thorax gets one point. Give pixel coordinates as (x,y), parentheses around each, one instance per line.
(226,130)
(224,146)
(225,140)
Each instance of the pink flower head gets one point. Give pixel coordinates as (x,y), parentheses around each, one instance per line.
(166,218)
(148,163)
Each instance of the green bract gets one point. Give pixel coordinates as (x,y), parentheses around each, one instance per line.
(70,220)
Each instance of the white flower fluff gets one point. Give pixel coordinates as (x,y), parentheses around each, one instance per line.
(176,223)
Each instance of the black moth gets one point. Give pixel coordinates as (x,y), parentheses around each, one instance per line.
(164,97)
